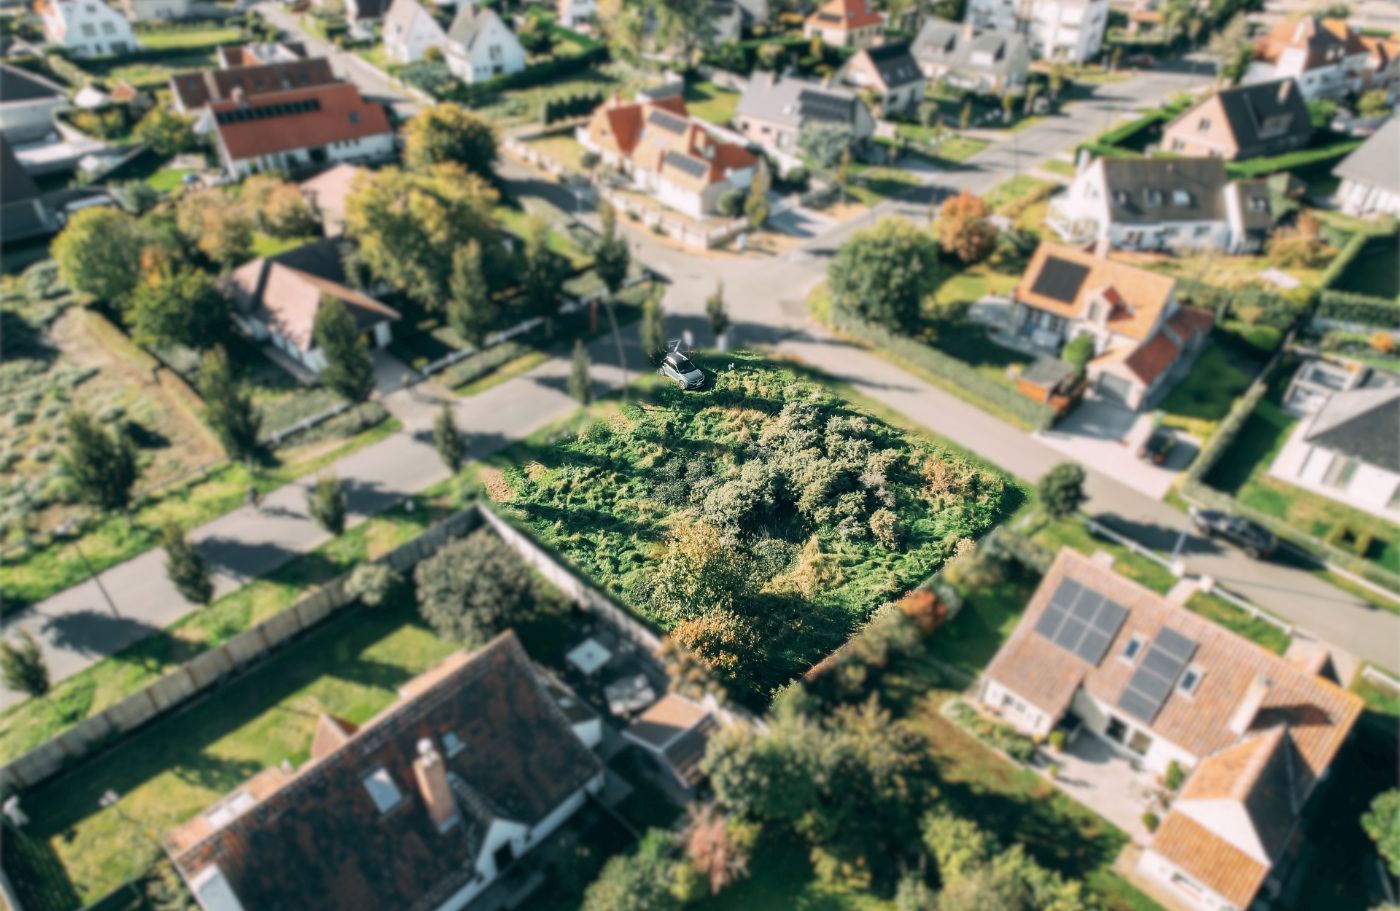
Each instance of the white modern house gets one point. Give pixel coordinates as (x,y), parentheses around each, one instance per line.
(1099,656)
(1371,174)
(28,103)
(409,30)
(87,28)
(297,129)
(1161,204)
(145,10)
(573,13)
(424,806)
(1069,30)
(481,46)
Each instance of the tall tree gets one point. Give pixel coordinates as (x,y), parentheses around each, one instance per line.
(349,369)
(963,230)
(101,464)
(883,273)
(824,144)
(580,379)
(219,225)
(22,666)
(327,504)
(473,588)
(756,204)
(684,26)
(642,880)
(471,310)
(179,306)
(1061,489)
(448,439)
(450,133)
(99,253)
(166,132)
(717,315)
(185,566)
(653,328)
(542,284)
(1381,823)
(611,260)
(228,406)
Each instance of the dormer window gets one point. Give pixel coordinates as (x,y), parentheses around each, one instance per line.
(1120,197)
(1258,204)
(1181,198)
(1154,197)
(1133,648)
(1190,680)
(452,744)
(354,116)
(382,790)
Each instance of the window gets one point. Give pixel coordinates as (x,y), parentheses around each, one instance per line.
(1116,731)
(1181,198)
(1190,680)
(1189,886)
(1204,124)
(382,789)
(1140,743)
(108,29)
(89,31)
(1154,197)
(452,743)
(1340,472)
(1133,648)
(354,116)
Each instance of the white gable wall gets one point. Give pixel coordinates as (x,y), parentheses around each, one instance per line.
(88,28)
(1181,884)
(495,52)
(213,892)
(410,44)
(1229,820)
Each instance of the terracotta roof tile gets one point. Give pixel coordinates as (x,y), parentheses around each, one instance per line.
(197,89)
(339,114)
(1143,293)
(1217,864)
(845,14)
(1150,360)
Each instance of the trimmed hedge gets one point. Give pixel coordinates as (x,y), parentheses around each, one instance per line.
(1262,167)
(433,76)
(1030,413)
(1350,250)
(1366,309)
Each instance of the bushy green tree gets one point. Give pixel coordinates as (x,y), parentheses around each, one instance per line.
(22,665)
(642,880)
(822,145)
(229,409)
(884,273)
(542,284)
(349,370)
(448,133)
(580,380)
(448,439)
(473,588)
(99,253)
(101,464)
(471,310)
(185,566)
(756,203)
(373,583)
(326,503)
(716,314)
(703,570)
(1078,351)
(1061,489)
(611,260)
(653,329)
(179,307)
(1382,824)
(730,203)
(166,132)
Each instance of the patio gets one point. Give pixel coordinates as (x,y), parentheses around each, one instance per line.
(1105,782)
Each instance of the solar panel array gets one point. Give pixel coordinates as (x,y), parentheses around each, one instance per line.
(1156,675)
(1081,621)
(666,121)
(1060,279)
(824,106)
(263,112)
(692,166)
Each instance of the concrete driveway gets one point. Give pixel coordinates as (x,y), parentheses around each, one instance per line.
(1105,436)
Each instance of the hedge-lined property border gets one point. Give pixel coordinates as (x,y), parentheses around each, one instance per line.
(1263,167)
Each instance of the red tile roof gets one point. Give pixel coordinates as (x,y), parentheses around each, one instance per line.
(1151,359)
(195,90)
(1210,859)
(339,114)
(845,14)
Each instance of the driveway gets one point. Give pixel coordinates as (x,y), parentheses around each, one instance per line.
(1105,436)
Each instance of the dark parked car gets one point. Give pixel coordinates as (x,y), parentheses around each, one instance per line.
(682,370)
(1158,446)
(1251,537)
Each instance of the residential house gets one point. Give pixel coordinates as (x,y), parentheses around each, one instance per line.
(423,806)
(1069,30)
(1325,56)
(28,103)
(1158,684)
(1382,64)
(1143,336)
(573,13)
(363,12)
(327,193)
(276,299)
(674,732)
(260,54)
(1248,121)
(192,91)
(1162,204)
(773,111)
(1347,450)
(86,28)
(889,72)
(481,46)
(983,62)
(299,128)
(1371,174)
(24,214)
(409,30)
(668,153)
(846,23)
(146,10)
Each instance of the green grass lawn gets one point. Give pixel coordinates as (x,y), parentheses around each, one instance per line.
(192,38)
(988,616)
(267,245)
(36,575)
(1058,166)
(1223,613)
(167,179)
(562,147)
(1073,533)
(941,145)
(1011,191)
(1204,396)
(150,74)
(781,876)
(710,102)
(870,185)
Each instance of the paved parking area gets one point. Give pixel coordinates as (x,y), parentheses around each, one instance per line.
(1105,436)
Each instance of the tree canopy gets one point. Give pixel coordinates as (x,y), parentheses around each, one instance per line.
(473,588)
(349,369)
(884,273)
(448,133)
(228,406)
(963,230)
(99,253)
(179,306)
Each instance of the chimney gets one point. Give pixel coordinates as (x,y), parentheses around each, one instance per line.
(238,96)
(1249,706)
(431,773)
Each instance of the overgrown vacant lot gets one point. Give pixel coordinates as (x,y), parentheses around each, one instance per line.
(758,520)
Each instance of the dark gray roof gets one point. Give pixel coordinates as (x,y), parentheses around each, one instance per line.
(1363,424)
(17,84)
(687,163)
(1060,279)
(1150,190)
(795,102)
(1265,115)
(894,64)
(15,183)
(1377,162)
(666,121)
(947,44)
(1048,372)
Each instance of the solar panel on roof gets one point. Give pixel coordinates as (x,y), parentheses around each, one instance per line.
(1087,605)
(1080,620)
(1110,617)
(693,167)
(1152,682)
(1059,279)
(1093,645)
(1066,593)
(669,122)
(1049,622)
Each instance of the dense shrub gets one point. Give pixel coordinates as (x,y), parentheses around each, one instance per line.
(1366,309)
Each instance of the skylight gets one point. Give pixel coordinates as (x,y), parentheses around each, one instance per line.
(382,789)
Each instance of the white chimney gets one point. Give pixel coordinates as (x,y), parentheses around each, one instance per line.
(1249,706)
(431,774)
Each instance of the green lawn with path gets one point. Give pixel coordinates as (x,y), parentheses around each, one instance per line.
(710,102)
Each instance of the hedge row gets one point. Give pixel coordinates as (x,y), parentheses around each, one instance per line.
(1262,167)
(570,106)
(1339,264)
(434,78)
(1030,413)
(1366,309)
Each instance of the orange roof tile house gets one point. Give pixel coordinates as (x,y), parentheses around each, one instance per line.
(668,153)
(1326,56)
(846,23)
(1143,336)
(1158,684)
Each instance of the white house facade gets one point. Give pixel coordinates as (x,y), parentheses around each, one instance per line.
(1371,174)
(480,46)
(146,10)
(1346,451)
(409,30)
(1069,30)
(87,28)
